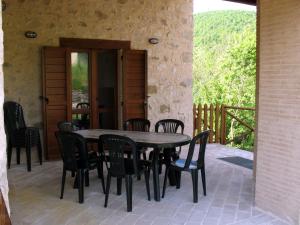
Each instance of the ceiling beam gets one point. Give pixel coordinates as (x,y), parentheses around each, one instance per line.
(248,2)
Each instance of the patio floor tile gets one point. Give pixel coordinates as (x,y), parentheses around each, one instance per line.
(34,198)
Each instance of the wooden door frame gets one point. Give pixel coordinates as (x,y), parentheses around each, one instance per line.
(93,43)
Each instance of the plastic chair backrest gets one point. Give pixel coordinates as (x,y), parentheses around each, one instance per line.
(115,145)
(169,126)
(13,117)
(137,124)
(201,138)
(66,126)
(73,150)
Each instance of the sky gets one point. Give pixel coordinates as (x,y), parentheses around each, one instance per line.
(212,5)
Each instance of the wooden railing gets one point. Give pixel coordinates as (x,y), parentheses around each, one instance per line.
(4,217)
(214,117)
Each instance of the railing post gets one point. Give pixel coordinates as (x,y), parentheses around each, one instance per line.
(194,119)
(205,117)
(223,125)
(217,128)
(211,123)
(199,118)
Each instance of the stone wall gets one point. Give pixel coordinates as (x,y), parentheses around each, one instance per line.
(169,62)
(278,154)
(3,171)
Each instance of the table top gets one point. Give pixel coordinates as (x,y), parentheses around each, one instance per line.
(143,139)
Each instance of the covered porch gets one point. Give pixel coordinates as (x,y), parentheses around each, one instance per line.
(233,192)
(35,199)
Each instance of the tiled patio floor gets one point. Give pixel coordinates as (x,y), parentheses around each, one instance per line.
(34,198)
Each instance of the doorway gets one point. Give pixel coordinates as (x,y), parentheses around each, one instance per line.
(95,86)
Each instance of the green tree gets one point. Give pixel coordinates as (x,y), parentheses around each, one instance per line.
(224,65)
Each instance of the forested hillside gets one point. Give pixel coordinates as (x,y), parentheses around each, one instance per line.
(224,66)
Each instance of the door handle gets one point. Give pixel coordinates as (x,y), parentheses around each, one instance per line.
(43,98)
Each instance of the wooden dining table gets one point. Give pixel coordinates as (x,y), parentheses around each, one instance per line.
(155,140)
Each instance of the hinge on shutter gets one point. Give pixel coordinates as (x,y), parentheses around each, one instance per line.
(121,57)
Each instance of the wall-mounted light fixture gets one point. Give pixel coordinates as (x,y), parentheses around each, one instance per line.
(30,34)
(153,41)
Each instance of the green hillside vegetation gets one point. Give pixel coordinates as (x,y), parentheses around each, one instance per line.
(224,67)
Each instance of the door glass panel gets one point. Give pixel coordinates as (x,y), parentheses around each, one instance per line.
(80,89)
(107,92)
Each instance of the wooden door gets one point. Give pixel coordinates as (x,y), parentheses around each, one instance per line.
(134,84)
(104,88)
(55,97)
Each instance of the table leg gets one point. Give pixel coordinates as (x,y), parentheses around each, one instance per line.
(119,185)
(155,168)
(167,160)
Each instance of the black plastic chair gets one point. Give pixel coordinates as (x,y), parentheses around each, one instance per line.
(190,165)
(67,126)
(19,135)
(121,167)
(76,159)
(169,126)
(93,158)
(138,124)
(84,121)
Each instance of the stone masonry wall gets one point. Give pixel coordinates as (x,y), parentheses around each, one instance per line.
(3,171)
(278,152)
(169,62)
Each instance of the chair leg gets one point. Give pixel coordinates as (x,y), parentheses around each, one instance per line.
(195,185)
(138,177)
(75,185)
(107,189)
(147,175)
(128,180)
(160,163)
(73,174)
(151,155)
(28,157)
(18,152)
(100,170)
(203,180)
(87,178)
(119,185)
(39,149)
(178,179)
(9,153)
(80,175)
(165,181)
(101,175)
(144,156)
(63,180)
(103,184)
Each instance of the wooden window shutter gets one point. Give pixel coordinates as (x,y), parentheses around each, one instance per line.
(134,84)
(55,99)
